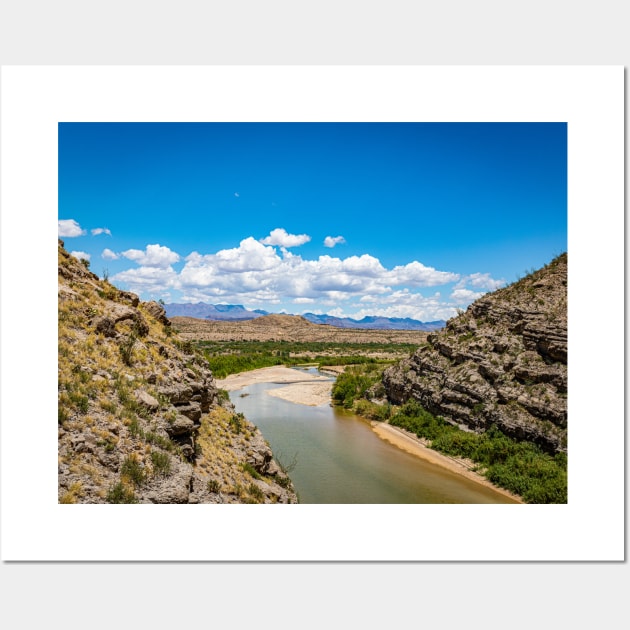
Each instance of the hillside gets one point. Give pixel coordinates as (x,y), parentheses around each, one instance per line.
(502,362)
(140,419)
(288,328)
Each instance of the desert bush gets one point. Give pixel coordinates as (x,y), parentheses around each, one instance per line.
(255,492)
(161,463)
(213,486)
(119,493)
(250,470)
(126,348)
(371,410)
(133,470)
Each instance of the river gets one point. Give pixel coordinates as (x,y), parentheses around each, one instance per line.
(339,459)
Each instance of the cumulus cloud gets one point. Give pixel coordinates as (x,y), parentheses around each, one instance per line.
(153,256)
(147,279)
(331,241)
(250,255)
(465,296)
(69,227)
(480,281)
(108,254)
(257,272)
(97,231)
(406,303)
(418,275)
(81,255)
(261,274)
(279,236)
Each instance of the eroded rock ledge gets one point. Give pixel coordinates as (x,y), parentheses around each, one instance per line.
(502,362)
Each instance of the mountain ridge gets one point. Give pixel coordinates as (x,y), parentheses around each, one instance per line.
(237,312)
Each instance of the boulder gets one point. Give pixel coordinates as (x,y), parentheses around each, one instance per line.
(181,425)
(146,400)
(157,312)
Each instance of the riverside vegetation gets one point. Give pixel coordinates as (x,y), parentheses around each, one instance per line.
(518,466)
(231,357)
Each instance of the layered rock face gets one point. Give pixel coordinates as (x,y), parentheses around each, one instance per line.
(503,362)
(140,416)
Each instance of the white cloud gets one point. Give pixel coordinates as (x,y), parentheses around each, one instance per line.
(147,279)
(406,303)
(69,227)
(153,256)
(250,255)
(331,241)
(480,281)
(279,236)
(418,275)
(81,255)
(108,254)
(262,275)
(97,231)
(253,271)
(465,296)
(237,194)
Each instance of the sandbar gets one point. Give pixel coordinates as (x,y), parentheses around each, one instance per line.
(301,387)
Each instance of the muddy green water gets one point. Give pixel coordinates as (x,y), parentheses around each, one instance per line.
(339,459)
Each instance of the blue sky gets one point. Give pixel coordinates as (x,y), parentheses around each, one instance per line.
(396,219)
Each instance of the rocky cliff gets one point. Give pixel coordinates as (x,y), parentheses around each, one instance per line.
(502,362)
(140,419)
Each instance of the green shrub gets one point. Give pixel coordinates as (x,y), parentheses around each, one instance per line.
(62,415)
(126,349)
(371,410)
(120,494)
(133,470)
(213,486)
(353,383)
(236,422)
(518,466)
(255,492)
(250,470)
(161,463)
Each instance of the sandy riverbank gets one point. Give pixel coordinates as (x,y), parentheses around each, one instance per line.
(301,387)
(416,446)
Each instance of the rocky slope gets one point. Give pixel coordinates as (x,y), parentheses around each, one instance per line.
(140,418)
(502,362)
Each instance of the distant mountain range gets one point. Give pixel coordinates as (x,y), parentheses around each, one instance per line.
(231,312)
(236,312)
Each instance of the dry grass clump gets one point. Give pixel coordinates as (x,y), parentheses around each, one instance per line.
(219,441)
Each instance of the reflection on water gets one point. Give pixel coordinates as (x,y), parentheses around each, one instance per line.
(341,460)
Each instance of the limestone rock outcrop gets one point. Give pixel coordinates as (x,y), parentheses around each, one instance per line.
(140,418)
(502,362)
